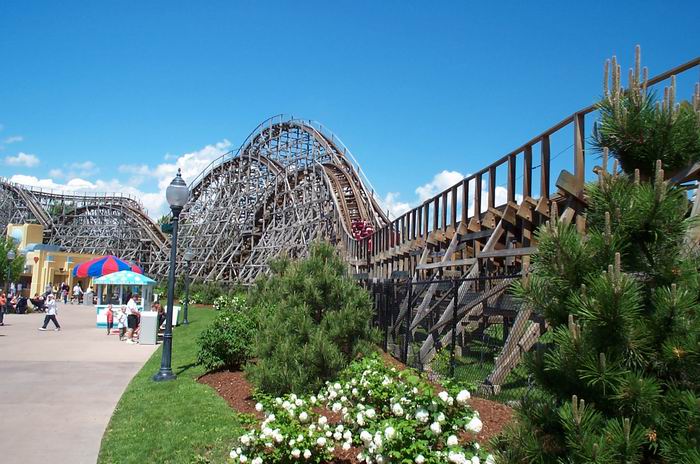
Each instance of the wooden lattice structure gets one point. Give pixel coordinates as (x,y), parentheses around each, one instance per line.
(83,222)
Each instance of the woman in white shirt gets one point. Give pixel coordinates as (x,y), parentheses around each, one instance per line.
(51,311)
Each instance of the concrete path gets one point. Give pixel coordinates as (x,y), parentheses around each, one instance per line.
(58,389)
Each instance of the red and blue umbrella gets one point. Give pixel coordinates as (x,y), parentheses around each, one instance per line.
(104,265)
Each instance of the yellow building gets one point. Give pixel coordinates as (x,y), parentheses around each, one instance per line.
(45,264)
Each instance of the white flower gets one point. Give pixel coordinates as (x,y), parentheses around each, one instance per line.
(463,396)
(474,425)
(243,458)
(441,418)
(419,459)
(365,436)
(347,435)
(321,441)
(390,432)
(422,415)
(337,386)
(476,460)
(303,417)
(233,454)
(435,428)
(457,458)
(444,396)
(337,436)
(323,420)
(245,439)
(490,459)
(257,460)
(452,440)
(337,407)
(370,413)
(298,402)
(346,445)
(360,419)
(307,454)
(259,407)
(397,409)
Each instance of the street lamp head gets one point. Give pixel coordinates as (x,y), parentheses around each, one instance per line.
(188,256)
(177,193)
(11,255)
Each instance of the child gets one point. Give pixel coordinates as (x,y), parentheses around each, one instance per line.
(121,323)
(110,319)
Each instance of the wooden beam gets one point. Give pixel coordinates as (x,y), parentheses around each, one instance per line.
(507,252)
(544,167)
(456,262)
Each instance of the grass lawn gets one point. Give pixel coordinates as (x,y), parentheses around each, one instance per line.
(172,422)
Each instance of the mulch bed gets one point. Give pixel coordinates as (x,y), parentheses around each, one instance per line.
(233,387)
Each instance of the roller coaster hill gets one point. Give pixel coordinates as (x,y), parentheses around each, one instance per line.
(292,182)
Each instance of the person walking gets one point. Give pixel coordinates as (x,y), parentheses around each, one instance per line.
(3,304)
(51,311)
(110,319)
(77,292)
(132,318)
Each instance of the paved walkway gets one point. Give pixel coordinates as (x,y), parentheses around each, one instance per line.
(58,389)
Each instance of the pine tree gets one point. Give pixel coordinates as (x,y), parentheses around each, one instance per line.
(313,320)
(619,377)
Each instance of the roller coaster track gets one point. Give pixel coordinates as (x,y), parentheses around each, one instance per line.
(84,223)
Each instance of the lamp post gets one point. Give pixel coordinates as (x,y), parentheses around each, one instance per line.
(177,195)
(188,257)
(10,257)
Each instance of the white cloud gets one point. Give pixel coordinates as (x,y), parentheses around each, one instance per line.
(13,139)
(22,159)
(392,204)
(441,181)
(154,201)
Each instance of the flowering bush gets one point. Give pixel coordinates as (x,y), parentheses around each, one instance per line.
(387,416)
(230,302)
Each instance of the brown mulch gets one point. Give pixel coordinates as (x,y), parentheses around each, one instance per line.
(233,387)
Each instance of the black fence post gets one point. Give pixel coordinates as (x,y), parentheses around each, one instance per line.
(407,335)
(453,342)
(385,312)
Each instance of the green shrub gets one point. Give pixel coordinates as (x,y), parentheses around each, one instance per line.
(226,343)
(313,321)
(230,302)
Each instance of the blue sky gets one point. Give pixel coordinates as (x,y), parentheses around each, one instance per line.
(112,95)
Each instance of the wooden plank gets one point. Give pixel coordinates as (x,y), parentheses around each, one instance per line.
(475,235)
(527,171)
(507,252)
(465,201)
(453,210)
(570,184)
(456,262)
(492,187)
(544,167)
(511,178)
(579,147)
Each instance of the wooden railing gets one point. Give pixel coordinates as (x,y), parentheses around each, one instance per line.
(443,212)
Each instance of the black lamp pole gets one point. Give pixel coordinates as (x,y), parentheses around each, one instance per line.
(177,195)
(186,321)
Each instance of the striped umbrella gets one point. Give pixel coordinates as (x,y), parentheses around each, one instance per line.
(104,265)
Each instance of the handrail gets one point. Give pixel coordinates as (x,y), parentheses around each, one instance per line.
(432,214)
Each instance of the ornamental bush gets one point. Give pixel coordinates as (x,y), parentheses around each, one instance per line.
(313,320)
(386,416)
(226,343)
